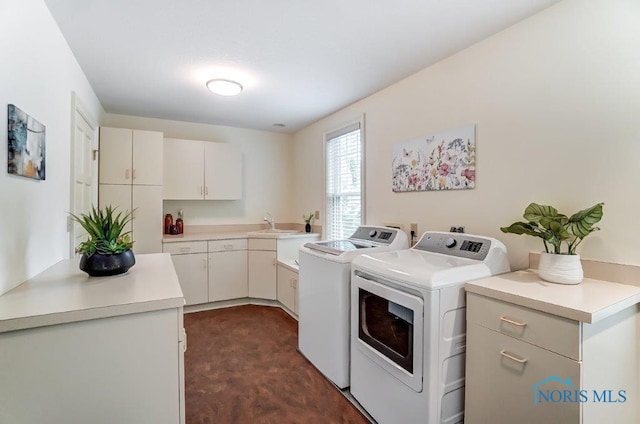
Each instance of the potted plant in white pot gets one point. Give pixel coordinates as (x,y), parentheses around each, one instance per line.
(107,251)
(558,265)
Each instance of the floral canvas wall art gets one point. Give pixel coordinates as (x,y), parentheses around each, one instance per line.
(26,145)
(441,161)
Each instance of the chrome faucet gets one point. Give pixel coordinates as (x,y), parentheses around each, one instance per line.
(268,218)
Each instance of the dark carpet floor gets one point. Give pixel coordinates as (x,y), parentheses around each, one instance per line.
(242,366)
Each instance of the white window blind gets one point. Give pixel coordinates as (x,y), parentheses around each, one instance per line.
(344,182)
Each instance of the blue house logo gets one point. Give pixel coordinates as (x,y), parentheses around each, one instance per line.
(571,394)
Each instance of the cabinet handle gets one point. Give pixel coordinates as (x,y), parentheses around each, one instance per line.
(206,190)
(512,357)
(510,321)
(185,249)
(133,174)
(228,246)
(201,191)
(126,174)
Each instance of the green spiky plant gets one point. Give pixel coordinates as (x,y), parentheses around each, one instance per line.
(105,230)
(555,228)
(308,218)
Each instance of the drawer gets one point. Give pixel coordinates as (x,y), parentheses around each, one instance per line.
(505,376)
(226,245)
(185,247)
(548,331)
(262,244)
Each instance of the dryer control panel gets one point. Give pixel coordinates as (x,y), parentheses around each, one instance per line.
(455,244)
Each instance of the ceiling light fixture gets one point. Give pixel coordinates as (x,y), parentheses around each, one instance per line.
(224,87)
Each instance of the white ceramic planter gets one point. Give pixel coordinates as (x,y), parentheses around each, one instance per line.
(562,269)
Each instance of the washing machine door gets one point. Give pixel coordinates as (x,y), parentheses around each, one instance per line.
(390,328)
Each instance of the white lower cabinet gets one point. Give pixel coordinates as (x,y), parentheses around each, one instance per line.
(262,273)
(228,270)
(190,262)
(287,282)
(527,366)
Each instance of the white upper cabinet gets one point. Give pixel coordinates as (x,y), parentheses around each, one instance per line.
(222,171)
(201,170)
(183,177)
(130,156)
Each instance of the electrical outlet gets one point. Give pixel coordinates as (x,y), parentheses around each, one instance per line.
(414,228)
(456,229)
(317,215)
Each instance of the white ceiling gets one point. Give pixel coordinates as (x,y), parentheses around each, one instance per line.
(299,60)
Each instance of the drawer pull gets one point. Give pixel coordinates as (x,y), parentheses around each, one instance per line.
(185,249)
(519,324)
(513,358)
(228,246)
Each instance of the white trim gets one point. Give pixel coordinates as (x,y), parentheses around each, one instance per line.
(76,107)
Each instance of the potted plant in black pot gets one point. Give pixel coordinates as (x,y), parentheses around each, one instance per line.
(107,251)
(558,265)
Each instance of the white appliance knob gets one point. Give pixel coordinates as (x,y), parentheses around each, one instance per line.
(450,242)
(372,233)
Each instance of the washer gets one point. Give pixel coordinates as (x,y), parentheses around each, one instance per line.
(408,326)
(323,290)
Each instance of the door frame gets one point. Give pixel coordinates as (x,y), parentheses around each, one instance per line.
(78,108)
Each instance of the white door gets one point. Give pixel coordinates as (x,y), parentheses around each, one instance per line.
(84,189)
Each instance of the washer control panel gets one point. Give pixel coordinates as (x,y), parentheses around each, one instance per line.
(454,244)
(383,235)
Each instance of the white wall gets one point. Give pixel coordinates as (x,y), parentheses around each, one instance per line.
(266,170)
(38,74)
(556,103)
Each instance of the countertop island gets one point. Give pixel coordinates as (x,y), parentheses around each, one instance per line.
(80,349)
(63,294)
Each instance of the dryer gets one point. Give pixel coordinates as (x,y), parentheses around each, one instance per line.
(324,296)
(408,326)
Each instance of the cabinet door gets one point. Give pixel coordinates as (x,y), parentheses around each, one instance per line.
(504,378)
(192,274)
(183,170)
(115,155)
(117,196)
(223,171)
(147,158)
(228,275)
(148,221)
(287,285)
(262,274)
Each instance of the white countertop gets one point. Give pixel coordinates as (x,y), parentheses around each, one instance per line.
(589,301)
(231,235)
(63,293)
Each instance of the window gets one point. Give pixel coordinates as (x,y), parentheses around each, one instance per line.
(344,182)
